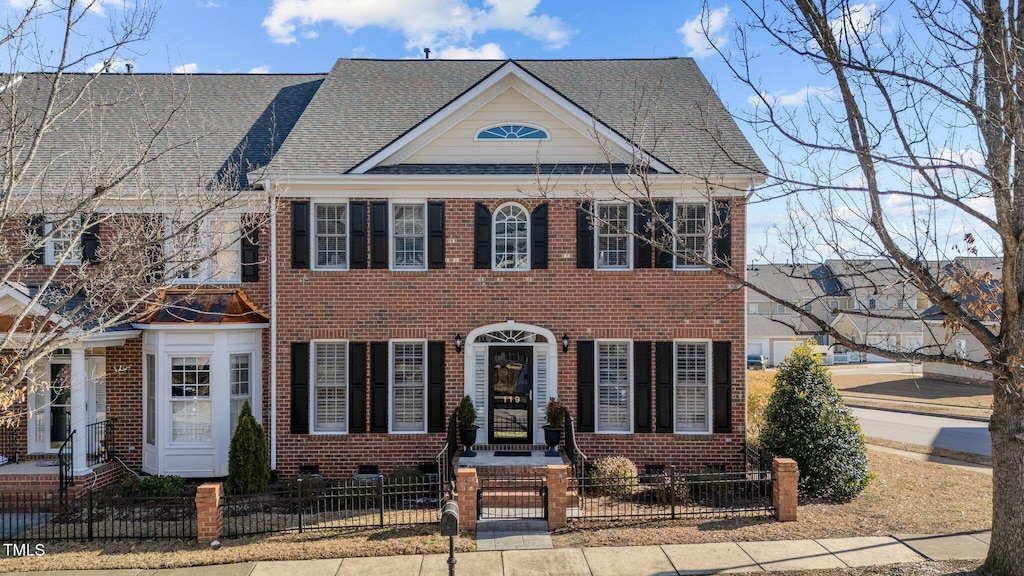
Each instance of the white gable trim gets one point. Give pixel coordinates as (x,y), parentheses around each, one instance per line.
(21,300)
(470,101)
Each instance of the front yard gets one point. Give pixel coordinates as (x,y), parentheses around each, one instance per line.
(907,496)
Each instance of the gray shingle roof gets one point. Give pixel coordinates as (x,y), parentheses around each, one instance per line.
(364,105)
(221,126)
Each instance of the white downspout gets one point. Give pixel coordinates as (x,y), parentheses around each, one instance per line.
(273,325)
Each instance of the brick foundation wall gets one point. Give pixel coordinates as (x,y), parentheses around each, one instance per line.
(371,305)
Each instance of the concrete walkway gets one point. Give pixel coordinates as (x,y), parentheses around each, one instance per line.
(675,559)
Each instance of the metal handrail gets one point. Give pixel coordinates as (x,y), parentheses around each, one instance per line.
(445,460)
(577,459)
(100,440)
(65,464)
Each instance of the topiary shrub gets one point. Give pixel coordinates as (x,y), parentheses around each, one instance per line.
(248,459)
(807,421)
(614,476)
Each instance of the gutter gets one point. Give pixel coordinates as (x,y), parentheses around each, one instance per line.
(273,325)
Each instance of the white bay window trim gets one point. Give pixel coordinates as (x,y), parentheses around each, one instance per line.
(408,413)
(691,386)
(693,234)
(613,371)
(328,398)
(610,230)
(328,240)
(411,240)
(191,400)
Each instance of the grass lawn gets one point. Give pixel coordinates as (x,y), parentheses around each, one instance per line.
(906,496)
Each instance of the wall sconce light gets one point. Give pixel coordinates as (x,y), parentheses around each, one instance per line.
(565,342)
(458,342)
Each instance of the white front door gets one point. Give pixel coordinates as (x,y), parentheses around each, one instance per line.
(50,409)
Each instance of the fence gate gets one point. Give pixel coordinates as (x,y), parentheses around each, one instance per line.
(515,496)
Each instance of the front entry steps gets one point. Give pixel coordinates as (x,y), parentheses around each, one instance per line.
(512,535)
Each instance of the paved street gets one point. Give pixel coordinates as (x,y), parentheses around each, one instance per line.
(935,431)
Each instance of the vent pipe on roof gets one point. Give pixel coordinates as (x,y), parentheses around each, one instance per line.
(128,67)
(426,52)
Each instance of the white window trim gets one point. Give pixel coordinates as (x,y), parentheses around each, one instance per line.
(52,256)
(629,389)
(494,240)
(391,236)
(391,384)
(477,138)
(312,390)
(348,238)
(232,397)
(675,380)
(708,239)
(169,360)
(629,236)
(205,273)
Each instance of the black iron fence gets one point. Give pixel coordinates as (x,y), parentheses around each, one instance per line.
(100,441)
(311,503)
(756,459)
(672,494)
(95,515)
(511,497)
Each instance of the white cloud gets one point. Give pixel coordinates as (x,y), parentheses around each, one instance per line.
(791,99)
(855,21)
(489,51)
(260,70)
(190,68)
(965,157)
(423,22)
(703,33)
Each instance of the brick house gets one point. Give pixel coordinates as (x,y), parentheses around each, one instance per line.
(448,228)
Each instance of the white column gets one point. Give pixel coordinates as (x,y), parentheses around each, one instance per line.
(79,406)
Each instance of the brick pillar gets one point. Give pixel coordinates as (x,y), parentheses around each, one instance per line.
(558,494)
(466,485)
(784,479)
(209,515)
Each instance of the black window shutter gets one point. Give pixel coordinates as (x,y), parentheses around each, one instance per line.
(584,236)
(357,235)
(356,387)
(300,235)
(435,235)
(379,387)
(723,235)
(641,386)
(91,239)
(37,226)
(585,385)
(250,252)
(663,387)
(435,387)
(379,235)
(539,237)
(663,236)
(300,388)
(482,237)
(722,378)
(154,231)
(642,246)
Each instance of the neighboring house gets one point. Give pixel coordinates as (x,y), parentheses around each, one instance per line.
(985,299)
(431,238)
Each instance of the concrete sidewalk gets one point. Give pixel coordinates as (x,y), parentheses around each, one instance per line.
(674,559)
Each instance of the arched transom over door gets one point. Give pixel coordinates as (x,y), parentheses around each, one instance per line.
(511,372)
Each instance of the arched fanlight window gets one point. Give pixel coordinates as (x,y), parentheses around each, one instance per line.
(512,132)
(511,238)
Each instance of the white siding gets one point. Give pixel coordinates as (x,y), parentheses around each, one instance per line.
(457,145)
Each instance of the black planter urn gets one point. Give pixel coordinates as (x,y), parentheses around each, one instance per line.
(467,434)
(552,437)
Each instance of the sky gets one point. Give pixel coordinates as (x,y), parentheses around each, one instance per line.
(285,36)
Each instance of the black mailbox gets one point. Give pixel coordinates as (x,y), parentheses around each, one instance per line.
(450,519)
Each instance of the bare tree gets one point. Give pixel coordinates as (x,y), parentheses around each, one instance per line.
(105,193)
(906,154)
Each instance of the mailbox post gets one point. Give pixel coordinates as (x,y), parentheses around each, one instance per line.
(450,528)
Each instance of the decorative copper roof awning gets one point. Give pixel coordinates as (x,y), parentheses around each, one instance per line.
(204,306)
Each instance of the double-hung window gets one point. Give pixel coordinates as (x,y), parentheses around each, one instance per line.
(408,386)
(204,251)
(330,387)
(62,244)
(692,382)
(331,236)
(191,411)
(408,242)
(241,386)
(692,243)
(511,238)
(613,237)
(613,387)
